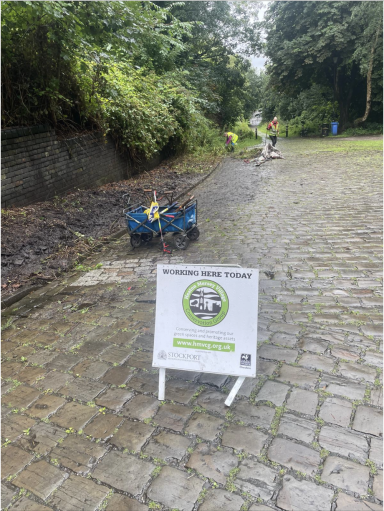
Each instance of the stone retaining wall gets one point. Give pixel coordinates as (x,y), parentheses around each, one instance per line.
(36,166)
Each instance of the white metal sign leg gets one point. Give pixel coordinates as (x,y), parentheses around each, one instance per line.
(161,384)
(234,391)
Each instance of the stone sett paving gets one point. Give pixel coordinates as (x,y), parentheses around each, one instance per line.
(82,426)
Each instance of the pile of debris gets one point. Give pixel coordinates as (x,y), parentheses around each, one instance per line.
(268,153)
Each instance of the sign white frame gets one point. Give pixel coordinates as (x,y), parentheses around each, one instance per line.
(240,379)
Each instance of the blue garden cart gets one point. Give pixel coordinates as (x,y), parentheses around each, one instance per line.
(181,222)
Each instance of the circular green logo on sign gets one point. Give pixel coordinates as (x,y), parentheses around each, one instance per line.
(205,303)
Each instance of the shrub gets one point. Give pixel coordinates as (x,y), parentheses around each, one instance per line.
(143,111)
(368,128)
(242,129)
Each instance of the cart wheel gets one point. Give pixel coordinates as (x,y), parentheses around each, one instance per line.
(135,240)
(181,241)
(194,234)
(147,236)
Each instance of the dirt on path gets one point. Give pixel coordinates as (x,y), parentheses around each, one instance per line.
(43,239)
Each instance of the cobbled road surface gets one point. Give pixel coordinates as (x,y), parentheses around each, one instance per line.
(82,427)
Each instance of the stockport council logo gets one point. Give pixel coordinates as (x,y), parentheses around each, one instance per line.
(205,303)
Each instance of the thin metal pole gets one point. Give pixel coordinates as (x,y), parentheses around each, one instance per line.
(234,391)
(161,384)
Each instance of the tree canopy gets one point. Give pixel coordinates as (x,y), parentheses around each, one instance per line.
(150,73)
(157,74)
(334,46)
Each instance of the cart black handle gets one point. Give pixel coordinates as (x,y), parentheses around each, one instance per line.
(127,201)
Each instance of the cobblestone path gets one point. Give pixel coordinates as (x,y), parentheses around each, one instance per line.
(82,428)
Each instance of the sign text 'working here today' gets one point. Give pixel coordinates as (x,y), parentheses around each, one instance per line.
(206,273)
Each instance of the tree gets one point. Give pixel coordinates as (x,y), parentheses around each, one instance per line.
(315,43)
(42,42)
(152,74)
(369,16)
(223,34)
(252,91)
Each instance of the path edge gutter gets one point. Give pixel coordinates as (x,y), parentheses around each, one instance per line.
(12,299)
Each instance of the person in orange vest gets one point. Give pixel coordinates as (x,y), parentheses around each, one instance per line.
(273,128)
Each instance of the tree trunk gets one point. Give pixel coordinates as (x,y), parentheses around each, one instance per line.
(360,120)
(344,107)
(344,97)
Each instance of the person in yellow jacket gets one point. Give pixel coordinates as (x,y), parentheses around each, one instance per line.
(273,128)
(231,139)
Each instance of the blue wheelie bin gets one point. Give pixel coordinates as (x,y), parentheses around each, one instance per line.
(334,126)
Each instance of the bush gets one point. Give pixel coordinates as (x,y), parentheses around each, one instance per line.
(125,68)
(368,128)
(312,126)
(242,129)
(143,111)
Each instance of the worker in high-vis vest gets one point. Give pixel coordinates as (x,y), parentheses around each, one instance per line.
(231,139)
(273,128)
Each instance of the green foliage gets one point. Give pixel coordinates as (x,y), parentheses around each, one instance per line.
(202,495)
(324,49)
(279,411)
(222,35)
(156,471)
(153,75)
(8,323)
(242,129)
(144,111)
(153,505)
(44,41)
(372,467)
(230,486)
(312,107)
(368,128)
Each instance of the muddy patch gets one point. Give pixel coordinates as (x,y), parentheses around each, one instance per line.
(46,238)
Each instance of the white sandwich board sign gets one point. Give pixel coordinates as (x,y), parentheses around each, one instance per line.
(206,320)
